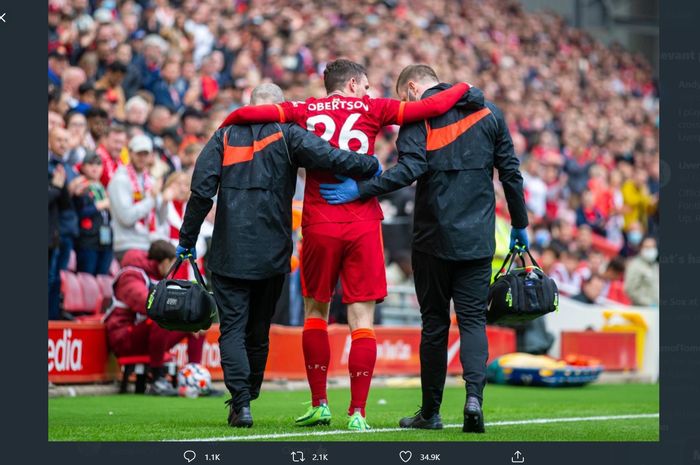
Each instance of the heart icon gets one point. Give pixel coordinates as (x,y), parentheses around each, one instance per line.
(405,455)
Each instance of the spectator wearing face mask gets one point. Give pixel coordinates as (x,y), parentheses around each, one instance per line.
(633,240)
(642,275)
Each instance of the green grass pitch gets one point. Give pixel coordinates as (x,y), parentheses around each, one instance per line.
(143,418)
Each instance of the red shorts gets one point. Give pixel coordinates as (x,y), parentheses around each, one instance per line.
(353,251)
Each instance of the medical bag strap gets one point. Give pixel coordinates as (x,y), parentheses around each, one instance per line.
(510,257)
(197,274)
(532,259)
(176,266)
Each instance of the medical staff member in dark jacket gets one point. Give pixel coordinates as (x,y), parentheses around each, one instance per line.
(253,169)
(452,157)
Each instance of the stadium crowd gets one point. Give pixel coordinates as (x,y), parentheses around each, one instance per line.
(137,87)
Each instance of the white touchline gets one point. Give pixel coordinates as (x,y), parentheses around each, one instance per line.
(533,421)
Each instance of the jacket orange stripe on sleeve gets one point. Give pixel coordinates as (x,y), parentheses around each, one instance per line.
(233,154)
(441,137)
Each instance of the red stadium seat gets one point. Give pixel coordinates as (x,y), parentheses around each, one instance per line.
(92,296)
(604,246)
(105,283)
(73,300)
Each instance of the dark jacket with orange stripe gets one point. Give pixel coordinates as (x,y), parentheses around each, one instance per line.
(253,168)
(453,156)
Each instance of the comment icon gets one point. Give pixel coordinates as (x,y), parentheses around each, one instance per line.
(189,455)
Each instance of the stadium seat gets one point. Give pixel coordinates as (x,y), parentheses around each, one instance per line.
(105,283)
(73,300)
(92,296)
(604,246)
(137,365)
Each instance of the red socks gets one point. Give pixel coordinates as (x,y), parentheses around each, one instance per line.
(363,355)
(317,355)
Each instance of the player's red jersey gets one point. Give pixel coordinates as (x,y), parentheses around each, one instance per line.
(348,123)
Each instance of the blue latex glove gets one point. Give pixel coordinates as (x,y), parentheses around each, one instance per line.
(518,237)
(379,170)
(343,192)
(184,253)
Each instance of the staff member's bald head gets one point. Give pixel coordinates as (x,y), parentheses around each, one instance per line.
(266,93)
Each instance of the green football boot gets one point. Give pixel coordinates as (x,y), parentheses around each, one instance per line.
(356,422)
(320,415)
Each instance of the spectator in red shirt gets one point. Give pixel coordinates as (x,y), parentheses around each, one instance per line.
(589,214)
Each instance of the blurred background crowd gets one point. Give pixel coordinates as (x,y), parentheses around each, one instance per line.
(135,88)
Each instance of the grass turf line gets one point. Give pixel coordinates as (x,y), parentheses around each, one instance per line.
(143,418)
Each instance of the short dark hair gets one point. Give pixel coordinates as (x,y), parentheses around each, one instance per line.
(339,72)
(415,73)
(116,127)
(95,112)
(161,250)
(556,251)
(91,158)
(117,67)
(617,264)
(69,115)
(85,87)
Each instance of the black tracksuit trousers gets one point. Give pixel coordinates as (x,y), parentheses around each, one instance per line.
(245,308)
(437,282)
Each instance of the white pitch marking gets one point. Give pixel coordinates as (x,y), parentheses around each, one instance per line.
(534,421)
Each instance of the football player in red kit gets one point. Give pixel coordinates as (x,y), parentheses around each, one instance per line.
(343,240)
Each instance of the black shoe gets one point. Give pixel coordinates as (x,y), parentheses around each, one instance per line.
(241,418)
(419,422)
(473,416)
(161,387)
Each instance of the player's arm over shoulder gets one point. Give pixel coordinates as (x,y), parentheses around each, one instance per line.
(284,112)
(310,151)
(401,112)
